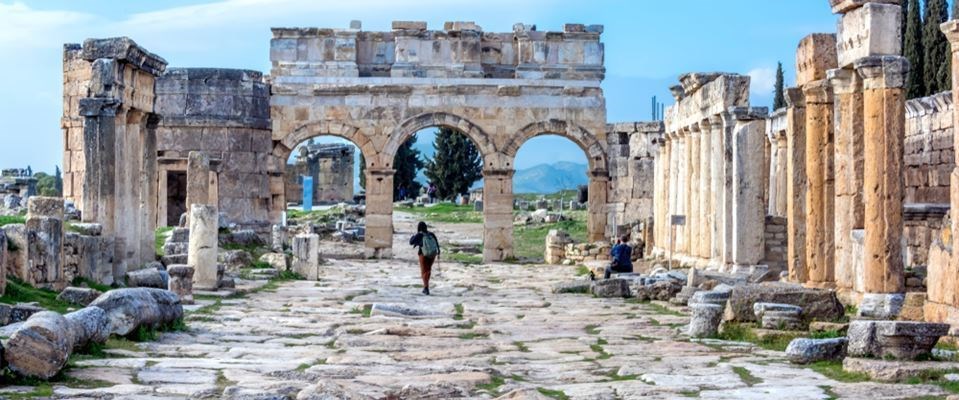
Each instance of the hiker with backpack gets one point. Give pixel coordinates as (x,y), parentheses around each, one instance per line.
(429,249)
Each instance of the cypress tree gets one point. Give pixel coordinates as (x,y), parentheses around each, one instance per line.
(456,164)
(913,51)
(779,97)
(904,5)
(407,163)
(362,171)
(937,74)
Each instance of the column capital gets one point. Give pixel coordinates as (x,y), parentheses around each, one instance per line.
(678,92)
(818,92)
(844,81)
(694,129)
(716,120)
(951,29)
(96,107)
(883,72)
(794,97)
(845,6)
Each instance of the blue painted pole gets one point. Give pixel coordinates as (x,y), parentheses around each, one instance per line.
(307,193)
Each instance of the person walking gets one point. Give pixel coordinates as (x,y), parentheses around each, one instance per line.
(428,249)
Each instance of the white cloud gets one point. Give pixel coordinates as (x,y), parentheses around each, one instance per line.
(22,27)
(762,81)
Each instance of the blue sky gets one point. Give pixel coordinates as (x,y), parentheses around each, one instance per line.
(648,44)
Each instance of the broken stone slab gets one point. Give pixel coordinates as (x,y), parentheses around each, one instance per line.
(181,282)
(705,320)
(817,304)
(572,287)
(895,370)
(783,321)
(805,351)
(608,288)
(718,298)
(22,311)
(233,260)
(682,298)
(79,296)
(901,340)
(174,259)
(761,308)
(148,277)
(179,235)
(130,308)
(881,305)
(404,311)
(662,290)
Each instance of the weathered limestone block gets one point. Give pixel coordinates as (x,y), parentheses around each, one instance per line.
(203,246)
(21,311)
(759,309)
(705,320)
(748,185)
(902,340)
(782,320)
(44,229)
(181,282)
(306,256)
(78,296)
(881,305)
(816,54)
(233,260)
(4,256)
(818,304)
(89,325)
(805,351)
(41,346)
(614,287)
(716,297)
(819,193)
(198,179)
(870,30)
(148,277)
(403,310)
(276,260)
(130,308)
(661,290)
(796,185)
(278,238)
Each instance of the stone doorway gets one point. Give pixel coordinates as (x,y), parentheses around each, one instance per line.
(175,196)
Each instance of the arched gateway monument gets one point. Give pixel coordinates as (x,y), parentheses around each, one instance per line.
(375,89)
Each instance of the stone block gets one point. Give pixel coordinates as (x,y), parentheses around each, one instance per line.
(610,288)
(901,340)
(78,296)
(870,30)
(306,256)
(816,55)
(759,309)
(202,252)
(805,351)
(881,305)
(181,282)
(818,304)
(409,25)
(705,320)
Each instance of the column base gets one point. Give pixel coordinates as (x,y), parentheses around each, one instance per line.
(881,305)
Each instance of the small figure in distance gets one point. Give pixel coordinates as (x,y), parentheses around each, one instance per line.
(428,249)
(621,257)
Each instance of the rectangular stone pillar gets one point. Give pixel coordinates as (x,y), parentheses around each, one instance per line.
(729,238)
(198,179)
(306,256)
(848,154)
(748,224)
(819,221)
(796,185)
(780,175)
(596,207)
(773,196)
(44,234)
(201,254)
(693,221)
(379,213)
(705,198)
(498,214)
(884,110)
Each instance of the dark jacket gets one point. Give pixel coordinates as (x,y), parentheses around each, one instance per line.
(622,255)
(417,241)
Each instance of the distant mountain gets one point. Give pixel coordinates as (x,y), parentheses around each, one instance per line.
(550,178)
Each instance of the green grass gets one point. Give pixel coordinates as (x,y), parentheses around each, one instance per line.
(464,258)
(581,270)
(459,312)
(556,394)
(161,235)
(81,282)
(363,311)
(833,370)
(744,333)
(663,310)
(473,335)
(446,212)
(530,241)
(571,194)
(492,387)
(12,219)
(598,348)
(19,292)
(747,377)
(522,347)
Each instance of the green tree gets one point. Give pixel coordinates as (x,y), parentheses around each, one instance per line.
(46,184)
(779,96)
(913,51)
(937,73)
(407,164)
(362,171)
(456,164)
(904,6)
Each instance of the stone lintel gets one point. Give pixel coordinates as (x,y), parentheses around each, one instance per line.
(795,97)
(816,54)
(748,113)
(126,50)
(951,29)
(818,92)
(844,6)
(883,72)
(598,174)
(97,107)
(843,80)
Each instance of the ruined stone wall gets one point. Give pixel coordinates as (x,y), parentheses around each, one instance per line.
(224,113)
(332,168)
(633,148)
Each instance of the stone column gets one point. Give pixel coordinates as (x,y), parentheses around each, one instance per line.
(951,29)
(729,239)
(749,139)
(498,214)
(717,208)
(44,234)
(682,193)
(306,256)
(99,152)
(596,209)
(884,110)
(847,87)
(780,174)
(661,201)
(705,203)
(796,185)
(819,230)
(673,189)
(198,179)
(379,213)
(148,189)
(693,221)
(201,255)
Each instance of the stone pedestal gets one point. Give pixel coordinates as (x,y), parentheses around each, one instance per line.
(498,214)
(747,202)
(796,185)
(277,238)
(379,213)
(44,234)
(848,155)
(201,255)
(884,110)
(306,256)
(181,282)
(819,196)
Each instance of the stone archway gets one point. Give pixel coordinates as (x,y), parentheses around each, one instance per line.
(598,167)
(410,126)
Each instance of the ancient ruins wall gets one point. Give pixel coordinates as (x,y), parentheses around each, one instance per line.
(438,78)
(633,149)
(332,168)
(224,113)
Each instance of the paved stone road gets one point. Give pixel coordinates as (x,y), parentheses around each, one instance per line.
(497,324)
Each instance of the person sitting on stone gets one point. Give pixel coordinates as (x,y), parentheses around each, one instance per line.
(621,255)
(428,250)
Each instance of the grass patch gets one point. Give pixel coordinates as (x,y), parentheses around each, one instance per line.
(459,312)
(592,329)
(493,386)
(363,311)
(556,394)
(12,219)
(161,234)
(746,376)
(473,335)
(521,347)
(615,377)
(529,242)
(833,370)
(570,194)
(19,292)
(81,282)
(446,212)
(744,333)
(598,348)
(581,270)
(464,258)
(662,310)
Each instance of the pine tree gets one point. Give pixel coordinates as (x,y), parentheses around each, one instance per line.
(937,73)
(362,171)
(456,164)
(407,163)
(779,97)
(913,51)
